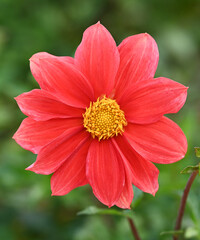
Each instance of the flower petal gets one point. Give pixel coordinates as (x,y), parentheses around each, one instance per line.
(151,99)
(105,171)
(33,135)
(144,173)
(160,142)
(72,173)
(35,69)
(138,61)
(53,155)
(97,58)
(41,106)
(126,197)
(62,79)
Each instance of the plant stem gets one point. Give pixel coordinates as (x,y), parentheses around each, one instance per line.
(133,229)
(183,203)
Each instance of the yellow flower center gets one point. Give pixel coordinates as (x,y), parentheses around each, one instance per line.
(104,119)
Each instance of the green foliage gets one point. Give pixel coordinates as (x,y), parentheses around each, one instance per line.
(197,151)
(191,232)
(92,210)
(191,169)
(27,210)
(178,232)
(105,211)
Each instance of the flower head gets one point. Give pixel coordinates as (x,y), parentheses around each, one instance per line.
(104,119)
(99,119)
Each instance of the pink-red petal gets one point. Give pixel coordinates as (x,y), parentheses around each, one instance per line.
(35,69)
(138,61)
(160,142)
(105,171)
(53,155)
(143,173)
(62,79)
(126,197)
(72,173)
(149,100)
(41,106)
(33,135)
(97,58)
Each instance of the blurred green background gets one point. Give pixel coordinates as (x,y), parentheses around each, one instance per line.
(27,210)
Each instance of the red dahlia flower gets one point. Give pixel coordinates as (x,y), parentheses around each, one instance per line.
(98,117)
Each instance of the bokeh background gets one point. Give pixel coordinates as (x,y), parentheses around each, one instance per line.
(27,210)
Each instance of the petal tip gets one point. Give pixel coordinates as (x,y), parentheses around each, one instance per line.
(16,98)
(53,193)
(154,193)
(56,193)
(98,26)
(34,57)
(38,56)
(186,88)
(14,136)
(110,205)
(30,168)
(37,170)
(147,36)
(155,190)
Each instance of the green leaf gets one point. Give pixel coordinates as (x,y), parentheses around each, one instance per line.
(197,151)
(103,211)
(172,232)
(191,169)
(191,232)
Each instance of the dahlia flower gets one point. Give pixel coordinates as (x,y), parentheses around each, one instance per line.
(98,118)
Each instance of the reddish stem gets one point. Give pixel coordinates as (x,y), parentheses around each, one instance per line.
(183,203)
(133,229)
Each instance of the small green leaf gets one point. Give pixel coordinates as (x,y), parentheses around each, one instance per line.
(191,169)
(191,232)
(172,232)
(197,151)
(103,211)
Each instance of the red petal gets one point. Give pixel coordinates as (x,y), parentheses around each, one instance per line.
(41,105)
(105,171)
(160,142)
(72,173)
(53,155)
(35,69)
(126,197)
(138,61)
(144,173)
(33,135)
(151,99)
(62,79)
(98,59)
(67,59)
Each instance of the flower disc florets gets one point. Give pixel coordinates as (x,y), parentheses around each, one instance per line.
(104,118)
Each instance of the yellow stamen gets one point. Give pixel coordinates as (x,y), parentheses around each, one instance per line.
(104,119)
